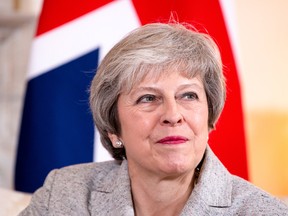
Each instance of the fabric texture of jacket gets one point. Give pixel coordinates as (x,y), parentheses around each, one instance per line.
(104,189)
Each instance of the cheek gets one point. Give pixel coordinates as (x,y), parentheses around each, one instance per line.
(135,125)
(198,119)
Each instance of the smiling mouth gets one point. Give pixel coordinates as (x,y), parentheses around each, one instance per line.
(172,140)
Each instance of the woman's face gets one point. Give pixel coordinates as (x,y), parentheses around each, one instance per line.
(164,125)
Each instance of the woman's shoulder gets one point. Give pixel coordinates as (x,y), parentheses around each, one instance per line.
(251,198)
(87,171)
(104,166)
(86,177)
(66,191)
(237,194)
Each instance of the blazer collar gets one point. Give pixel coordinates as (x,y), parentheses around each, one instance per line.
(112,196)
(212,189)
(215,183)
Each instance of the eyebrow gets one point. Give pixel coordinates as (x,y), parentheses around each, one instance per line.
(138,90)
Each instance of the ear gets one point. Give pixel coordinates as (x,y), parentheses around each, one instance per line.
(113,138)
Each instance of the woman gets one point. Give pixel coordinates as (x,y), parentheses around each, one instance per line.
(155,98)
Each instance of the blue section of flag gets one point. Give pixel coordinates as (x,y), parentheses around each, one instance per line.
(57,127)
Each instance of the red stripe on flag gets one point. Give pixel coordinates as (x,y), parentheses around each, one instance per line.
(228,141)
(153,11)
(57,12)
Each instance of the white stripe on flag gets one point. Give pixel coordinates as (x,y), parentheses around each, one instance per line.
(100,28)
(228,9)
(100,153)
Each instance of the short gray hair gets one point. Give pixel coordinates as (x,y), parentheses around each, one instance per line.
(154,48)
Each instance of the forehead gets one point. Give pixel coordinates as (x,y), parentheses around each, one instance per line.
(171,78)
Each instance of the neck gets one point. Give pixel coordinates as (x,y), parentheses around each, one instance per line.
(166,196)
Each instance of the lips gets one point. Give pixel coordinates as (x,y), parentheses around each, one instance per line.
(172,140)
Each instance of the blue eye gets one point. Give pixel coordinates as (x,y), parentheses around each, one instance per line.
(190,96)
(146,99)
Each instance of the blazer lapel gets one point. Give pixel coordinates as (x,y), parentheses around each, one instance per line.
(113,195)
(212,192)
(210,196)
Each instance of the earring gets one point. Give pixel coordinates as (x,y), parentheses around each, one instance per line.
(119,144)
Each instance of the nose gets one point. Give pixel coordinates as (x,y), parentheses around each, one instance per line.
(171,115)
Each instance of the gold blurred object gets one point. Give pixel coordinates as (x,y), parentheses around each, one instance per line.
(267,138)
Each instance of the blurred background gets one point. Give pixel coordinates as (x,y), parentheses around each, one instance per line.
(261,48)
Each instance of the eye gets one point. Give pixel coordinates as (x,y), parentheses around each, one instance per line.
(146,99)
(190,96)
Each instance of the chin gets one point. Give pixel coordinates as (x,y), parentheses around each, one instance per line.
(177,168)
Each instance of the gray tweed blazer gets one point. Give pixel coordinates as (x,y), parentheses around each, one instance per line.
(104,189)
